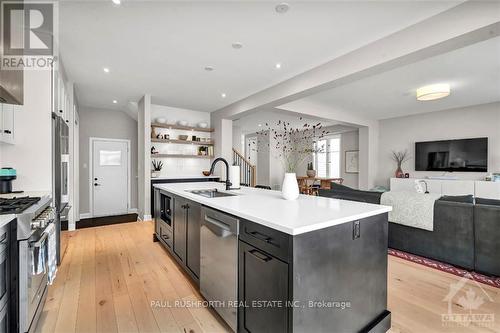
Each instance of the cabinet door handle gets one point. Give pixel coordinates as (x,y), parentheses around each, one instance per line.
(7,131)
(259,255)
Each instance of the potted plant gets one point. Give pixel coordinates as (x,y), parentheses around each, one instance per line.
(157,166)
(293,146)
(311,173)
(400,157)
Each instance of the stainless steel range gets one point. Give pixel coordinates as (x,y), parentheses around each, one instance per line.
(29,261)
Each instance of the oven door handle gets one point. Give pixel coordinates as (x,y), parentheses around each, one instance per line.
(40,241)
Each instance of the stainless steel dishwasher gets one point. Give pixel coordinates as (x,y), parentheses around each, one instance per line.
(219,263)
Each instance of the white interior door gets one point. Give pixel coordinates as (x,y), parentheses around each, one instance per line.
(110,177)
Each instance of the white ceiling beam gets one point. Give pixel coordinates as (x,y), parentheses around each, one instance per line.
(463,25)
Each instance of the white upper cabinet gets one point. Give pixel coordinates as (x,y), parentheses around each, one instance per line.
(62,102)
(7,116)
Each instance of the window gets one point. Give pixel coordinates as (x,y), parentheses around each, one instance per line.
(110,157)
(327,160)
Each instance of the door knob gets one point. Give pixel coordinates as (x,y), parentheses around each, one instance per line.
(95,178)
(96,184)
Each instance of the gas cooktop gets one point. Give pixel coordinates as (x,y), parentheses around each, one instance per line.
(16,205)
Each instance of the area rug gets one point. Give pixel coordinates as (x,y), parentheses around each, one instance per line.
(493,281)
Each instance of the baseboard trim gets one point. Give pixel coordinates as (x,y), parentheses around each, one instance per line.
(85,216)
(106,220)
(145,218)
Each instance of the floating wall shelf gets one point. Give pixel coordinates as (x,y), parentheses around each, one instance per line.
(178,127)
(180,156)
(185,142)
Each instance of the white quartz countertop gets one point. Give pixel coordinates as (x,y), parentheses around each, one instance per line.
(185,177)
(268,208)
(4,219)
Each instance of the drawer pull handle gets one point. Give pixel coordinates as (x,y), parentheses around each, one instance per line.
(259,255)
(261,236)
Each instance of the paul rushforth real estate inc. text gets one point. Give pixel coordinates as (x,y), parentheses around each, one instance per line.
(331,304)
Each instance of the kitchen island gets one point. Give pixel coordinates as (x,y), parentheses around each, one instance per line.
(314,264)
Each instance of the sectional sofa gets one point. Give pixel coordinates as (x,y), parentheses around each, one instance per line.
(466,230)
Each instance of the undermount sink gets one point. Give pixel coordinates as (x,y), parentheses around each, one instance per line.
(212,193)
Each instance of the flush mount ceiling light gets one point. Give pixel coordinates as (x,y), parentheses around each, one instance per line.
(223,95)
(106,70)
(237,45)
(278,65)
(209,68)
(115,101)
(117,2)
(433,91)
(282,8)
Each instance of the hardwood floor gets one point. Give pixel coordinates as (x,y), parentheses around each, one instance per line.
(112,274)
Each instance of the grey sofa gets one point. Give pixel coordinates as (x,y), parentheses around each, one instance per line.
(487,236)
(452,240)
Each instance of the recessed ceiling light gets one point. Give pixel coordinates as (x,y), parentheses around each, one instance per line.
(117,2)
(237,45)
(115,101)
(106,70)
(278,65)
(433,91)
(282,8)
(223,95)
(209,68)
(260,125)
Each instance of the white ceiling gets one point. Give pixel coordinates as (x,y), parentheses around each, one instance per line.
(473,73)
(162,47)
(250,123)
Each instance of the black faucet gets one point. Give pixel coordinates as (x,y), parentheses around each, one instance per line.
(228,183)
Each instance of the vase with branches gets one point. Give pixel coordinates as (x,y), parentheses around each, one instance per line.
(400,157)
(292,146)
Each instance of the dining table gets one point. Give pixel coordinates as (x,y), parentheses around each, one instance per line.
(306,183)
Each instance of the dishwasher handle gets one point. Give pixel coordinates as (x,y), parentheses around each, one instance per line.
(219,228)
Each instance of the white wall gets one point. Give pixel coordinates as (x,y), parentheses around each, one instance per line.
(144,157)
(180,166)
(348,141)
(469,122)
(111,124)
(31,156)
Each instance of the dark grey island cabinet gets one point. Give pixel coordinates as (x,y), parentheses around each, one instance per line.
(329,280)
(182,236)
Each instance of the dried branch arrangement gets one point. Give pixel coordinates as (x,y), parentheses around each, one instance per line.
(293,145)
(400,157)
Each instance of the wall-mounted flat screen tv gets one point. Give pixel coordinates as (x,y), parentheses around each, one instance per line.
(464,155)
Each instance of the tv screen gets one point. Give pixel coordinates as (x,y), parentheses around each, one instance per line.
(465,155)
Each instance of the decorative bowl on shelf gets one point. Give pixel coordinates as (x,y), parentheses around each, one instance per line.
(203,125)
(161,120)
(183,137)
(206,173)
(182,122)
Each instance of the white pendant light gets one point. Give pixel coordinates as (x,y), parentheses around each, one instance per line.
(433,91)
